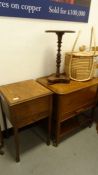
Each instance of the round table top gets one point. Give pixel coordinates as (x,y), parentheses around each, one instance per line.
(60,31)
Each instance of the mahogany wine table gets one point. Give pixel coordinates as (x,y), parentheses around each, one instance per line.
(58,77)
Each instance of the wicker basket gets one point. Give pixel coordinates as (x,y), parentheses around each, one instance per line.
(80,66)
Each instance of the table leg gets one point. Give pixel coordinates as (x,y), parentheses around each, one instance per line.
(57,133)
(1,142)
(49,122)
(16,144)
(97,127)
(4,120)
(1,139)
(92,116)
(49,130)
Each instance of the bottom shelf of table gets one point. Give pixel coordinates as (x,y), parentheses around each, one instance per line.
(73,124)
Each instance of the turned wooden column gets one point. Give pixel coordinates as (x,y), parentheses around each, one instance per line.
(58,77)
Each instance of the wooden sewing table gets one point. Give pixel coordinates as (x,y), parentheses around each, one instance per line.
(24,103)
(70,101)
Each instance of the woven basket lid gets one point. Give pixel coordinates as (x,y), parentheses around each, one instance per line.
(84,53)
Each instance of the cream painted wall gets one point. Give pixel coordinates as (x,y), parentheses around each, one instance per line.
(26,51)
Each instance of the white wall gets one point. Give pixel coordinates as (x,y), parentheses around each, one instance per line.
(26,51)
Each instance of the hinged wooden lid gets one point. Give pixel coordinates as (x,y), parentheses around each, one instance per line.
(23,91)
